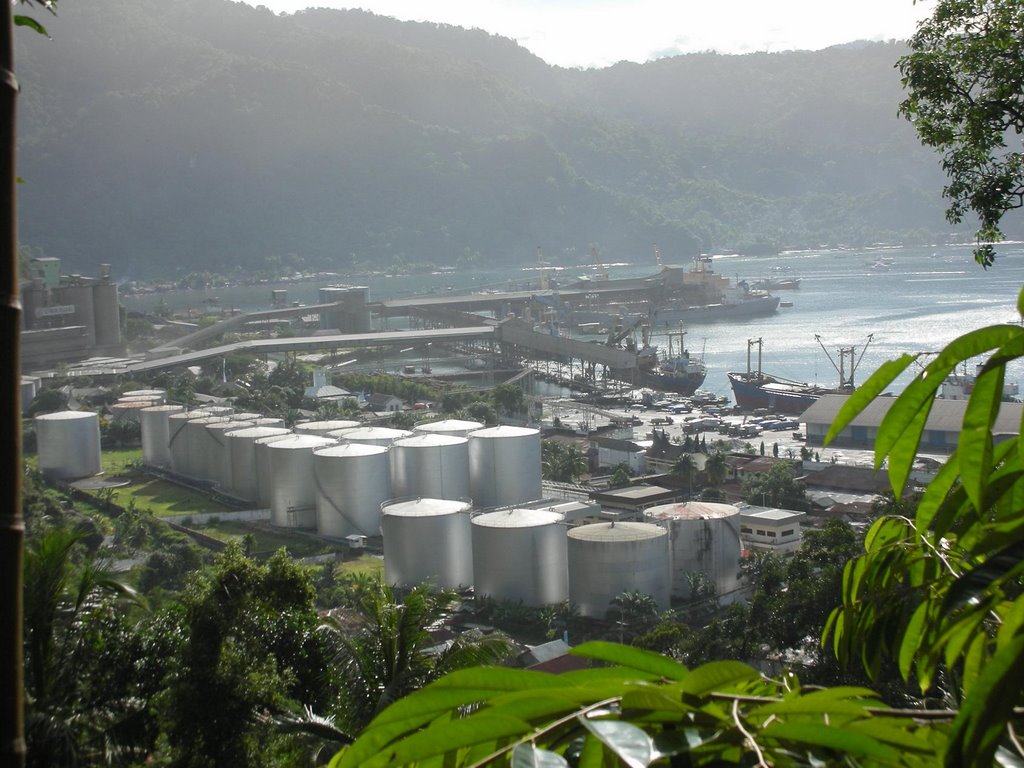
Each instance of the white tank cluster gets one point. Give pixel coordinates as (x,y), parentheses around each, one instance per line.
(352,482)
(520,555)
(434,466)
(705,538)
(427,541)
(504,466)
(292,487)
(607,559)
(68,444)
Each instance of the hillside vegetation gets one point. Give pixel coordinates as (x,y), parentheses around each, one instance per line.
(209,134)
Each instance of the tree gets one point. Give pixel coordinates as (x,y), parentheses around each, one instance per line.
(778,487)
(620,477)
(716,468)
(964,78)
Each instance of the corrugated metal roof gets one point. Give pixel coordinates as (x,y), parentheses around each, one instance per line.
(945,416)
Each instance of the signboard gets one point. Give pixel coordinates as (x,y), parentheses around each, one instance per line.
(54,311)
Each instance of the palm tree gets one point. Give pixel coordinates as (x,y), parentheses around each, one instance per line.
(634,609)
(716,468)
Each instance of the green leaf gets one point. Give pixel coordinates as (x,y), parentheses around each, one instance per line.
(715,676)
(632,745)
(911,641)
(975,444)
(529,756)
(867,392)
(633,658)
(842,740)
(28,21)
(448,737)
(935,493)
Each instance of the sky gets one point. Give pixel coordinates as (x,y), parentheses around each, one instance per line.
(598,33)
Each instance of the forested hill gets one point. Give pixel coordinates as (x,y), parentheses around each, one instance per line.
(202,134)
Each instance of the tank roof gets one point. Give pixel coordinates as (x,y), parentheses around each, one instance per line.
(448,425)
(692,510)
(505,430)
(370,433)
(518,518)
(617,532)
(144,393)
(350,449)
(229,425)
(430,441)
(259,431)
(424,507)
(301,442)
(328,425)
(164,408)
(246,416)
(66,416)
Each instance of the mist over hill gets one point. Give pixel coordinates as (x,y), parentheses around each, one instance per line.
(167,137)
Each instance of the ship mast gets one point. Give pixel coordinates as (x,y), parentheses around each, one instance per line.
(760,346)
(846,382)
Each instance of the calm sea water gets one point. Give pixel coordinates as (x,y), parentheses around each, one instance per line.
(927,297)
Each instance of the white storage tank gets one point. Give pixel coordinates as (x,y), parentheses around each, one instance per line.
(204,456)
(454,427)
(504,466)
(218,410)
(520,555)
(323,427)
(607,559)
(268,421)
(352,482)
(371,435)
(159,394)
(246,416)
(156,434)
(68,444)
(242,451)
(177,441)
(29,390)
(292,490)
(435,466)
(705,538)
(427,541)
(129,410)
(218,447)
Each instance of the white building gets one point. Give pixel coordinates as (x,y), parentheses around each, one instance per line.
(771,530)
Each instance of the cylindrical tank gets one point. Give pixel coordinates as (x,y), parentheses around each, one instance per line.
(68,443)
(454,427)
(156,434)
(427,540)
(218,410)
(520,555)
(244,416)
(204,456)
(705,539)
(268,421)
(242,450)
(607,559)
(371,435)
(29,390)
(323,427)
(158,393)
(123,411)
(177,441)
(352,482)
(106,314)
(435,466)
(504,466)
(292,490)
(218,446)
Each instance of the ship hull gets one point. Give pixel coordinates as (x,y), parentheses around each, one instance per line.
(759,306)
(681,383)
(769,393)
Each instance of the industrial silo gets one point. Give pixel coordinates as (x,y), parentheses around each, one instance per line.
(106,310)
(292,490)
(607,559)
(219,450)
(520,555)
(156,434)
(705,538)
(371,435)
(427,540)
(352,481)
(454,427)
(323,427)
(68,444)
(242,450)
(435,466)
(504,466)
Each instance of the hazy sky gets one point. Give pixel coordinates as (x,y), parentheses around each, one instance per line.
(588,33)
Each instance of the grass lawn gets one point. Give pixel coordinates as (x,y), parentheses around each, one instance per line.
(267,539)
(371,564)
(164,498)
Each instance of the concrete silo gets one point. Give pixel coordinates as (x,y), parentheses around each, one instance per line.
(434,466)
(504,466)
(607,559)
(68,444)
(520,555)
(705,538)
(352,481)
(427,540)
(292,488)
